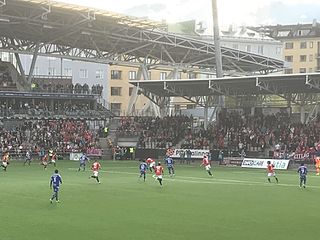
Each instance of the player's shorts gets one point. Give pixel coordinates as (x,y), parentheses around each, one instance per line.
(44,163)
(4,164)
(208,167)
(271,174)
(53,161)
(95,173)
(82,164)
(142,171)
(158,176)
(55,188)
(152,164)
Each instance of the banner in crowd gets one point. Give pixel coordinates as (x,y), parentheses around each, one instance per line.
(94,152)
(75,156)
(262,163)
(195,153)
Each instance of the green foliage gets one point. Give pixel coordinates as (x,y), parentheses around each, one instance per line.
(235,204)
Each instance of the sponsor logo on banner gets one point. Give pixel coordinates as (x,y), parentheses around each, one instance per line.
(75,156)
(195,153)
(262,163)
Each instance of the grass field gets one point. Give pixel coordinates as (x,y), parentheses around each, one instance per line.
(235,204)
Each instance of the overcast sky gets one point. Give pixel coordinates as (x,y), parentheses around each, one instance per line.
(240,12)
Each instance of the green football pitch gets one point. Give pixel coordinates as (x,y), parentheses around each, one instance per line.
(233,204)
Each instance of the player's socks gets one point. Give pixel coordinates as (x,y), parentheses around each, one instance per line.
(160,181)
(269,180)
(277,180)
(97,179)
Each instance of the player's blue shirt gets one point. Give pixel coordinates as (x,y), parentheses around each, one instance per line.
(83,159)
(143,167)
(169,162)
(56,180)
(302,170)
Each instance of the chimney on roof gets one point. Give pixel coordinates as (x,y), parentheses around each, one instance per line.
(314,22)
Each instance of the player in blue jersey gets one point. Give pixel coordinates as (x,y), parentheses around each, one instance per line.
(55,182)
(82,161)
(170,165)
(143,169)
(303,171)
(28,157)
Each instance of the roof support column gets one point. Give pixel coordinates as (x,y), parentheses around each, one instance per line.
(18,59)
(206,117)
(33,63)
(217,46)
(142,73)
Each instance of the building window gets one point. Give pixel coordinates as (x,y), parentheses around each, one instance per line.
(303,58)
(303,45)
(163,75)
(192,75)
(99,74)
(310,69)
(115,91)
(288,45)
(51,71)
(149,75)
(260,49)
(68,72)
(132,75)
(248,48)
(83,73)
(116,74)
(288,58)
(288,71)
(191,106)
(116,108)
(311,58)
(130,91)
(179,75)
(235,46)
(311,44)
(302,70)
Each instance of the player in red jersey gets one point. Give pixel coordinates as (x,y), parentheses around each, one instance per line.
(159,171)
(151,163)
(96,166)
(271,172)
(206,164)
(44,161)
(5,161)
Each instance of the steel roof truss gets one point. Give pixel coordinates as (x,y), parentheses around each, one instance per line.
(312,82)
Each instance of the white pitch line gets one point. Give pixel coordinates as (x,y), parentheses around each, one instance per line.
(214,180)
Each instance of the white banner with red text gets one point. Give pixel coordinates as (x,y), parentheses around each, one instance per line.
(262,163)
(195,153)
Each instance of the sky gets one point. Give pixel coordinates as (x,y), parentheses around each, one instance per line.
(237,12)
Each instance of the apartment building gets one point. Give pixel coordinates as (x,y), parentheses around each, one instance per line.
(301,45)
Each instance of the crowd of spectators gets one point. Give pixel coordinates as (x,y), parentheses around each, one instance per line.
(45,108)
(66,88)
(155,132)
(63,136)
(234,131)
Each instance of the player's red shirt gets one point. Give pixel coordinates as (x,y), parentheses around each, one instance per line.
(158,170)
(205,161)
(149,160)
(45,158)
(270,168)
(96,166)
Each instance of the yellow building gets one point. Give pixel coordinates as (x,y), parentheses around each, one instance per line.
(301,46)
(120,90)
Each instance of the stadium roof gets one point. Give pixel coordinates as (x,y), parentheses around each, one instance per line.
(63,30)
(233,86)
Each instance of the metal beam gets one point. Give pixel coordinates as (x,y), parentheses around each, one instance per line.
(33,62)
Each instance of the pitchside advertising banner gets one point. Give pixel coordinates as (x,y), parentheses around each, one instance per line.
(262,163)
(195,153)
